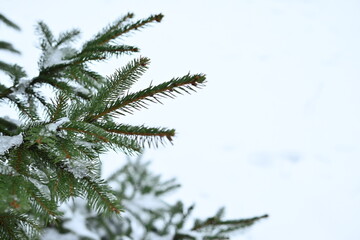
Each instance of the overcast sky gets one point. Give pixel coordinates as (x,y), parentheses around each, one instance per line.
(276,130)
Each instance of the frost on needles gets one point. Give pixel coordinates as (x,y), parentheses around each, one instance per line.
(50,154)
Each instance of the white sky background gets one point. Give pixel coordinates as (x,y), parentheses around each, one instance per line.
(276,130)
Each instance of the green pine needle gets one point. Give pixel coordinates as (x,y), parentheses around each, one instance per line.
(8,47)
(8,22)
(138,100)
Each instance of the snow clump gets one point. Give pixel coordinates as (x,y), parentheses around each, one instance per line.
(7,142)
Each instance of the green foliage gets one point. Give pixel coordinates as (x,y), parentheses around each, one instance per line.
(16,226)
(11,69)
(146,213)
(8,22)
(53,154)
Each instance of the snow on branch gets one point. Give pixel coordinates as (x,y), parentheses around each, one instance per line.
(7,142)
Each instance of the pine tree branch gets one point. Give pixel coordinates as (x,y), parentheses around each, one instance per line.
(45,34)
(117,30)
(58,108)
(121,21)
(86,132)
(25,111)
(8,127)
(65,87)
(85,77)
(123,79)
(8,22)
(8,47)
(118,83)
(138,100)
(14,226)
(91,131)
(66,37)
(62,182)
(102,52)
(100,197)
(140,133)
(44,206)
(19,163)
(11,69)
(214,221)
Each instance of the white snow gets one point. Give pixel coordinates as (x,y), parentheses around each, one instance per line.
(177,218)
(149,201)
(77,224)
(6,169)
(80,89)
(56,56)
(85,144)
(138,206)
(77,219)
(76,86)
(53,126)
(14,121)
(7,142)
(53,234)
(44,189)
(78,168)
(50,128)
(19,92)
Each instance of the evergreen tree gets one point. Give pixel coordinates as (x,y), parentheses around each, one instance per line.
(51,153)
(146,215)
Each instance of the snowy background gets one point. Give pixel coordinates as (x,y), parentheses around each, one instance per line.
(275,131)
